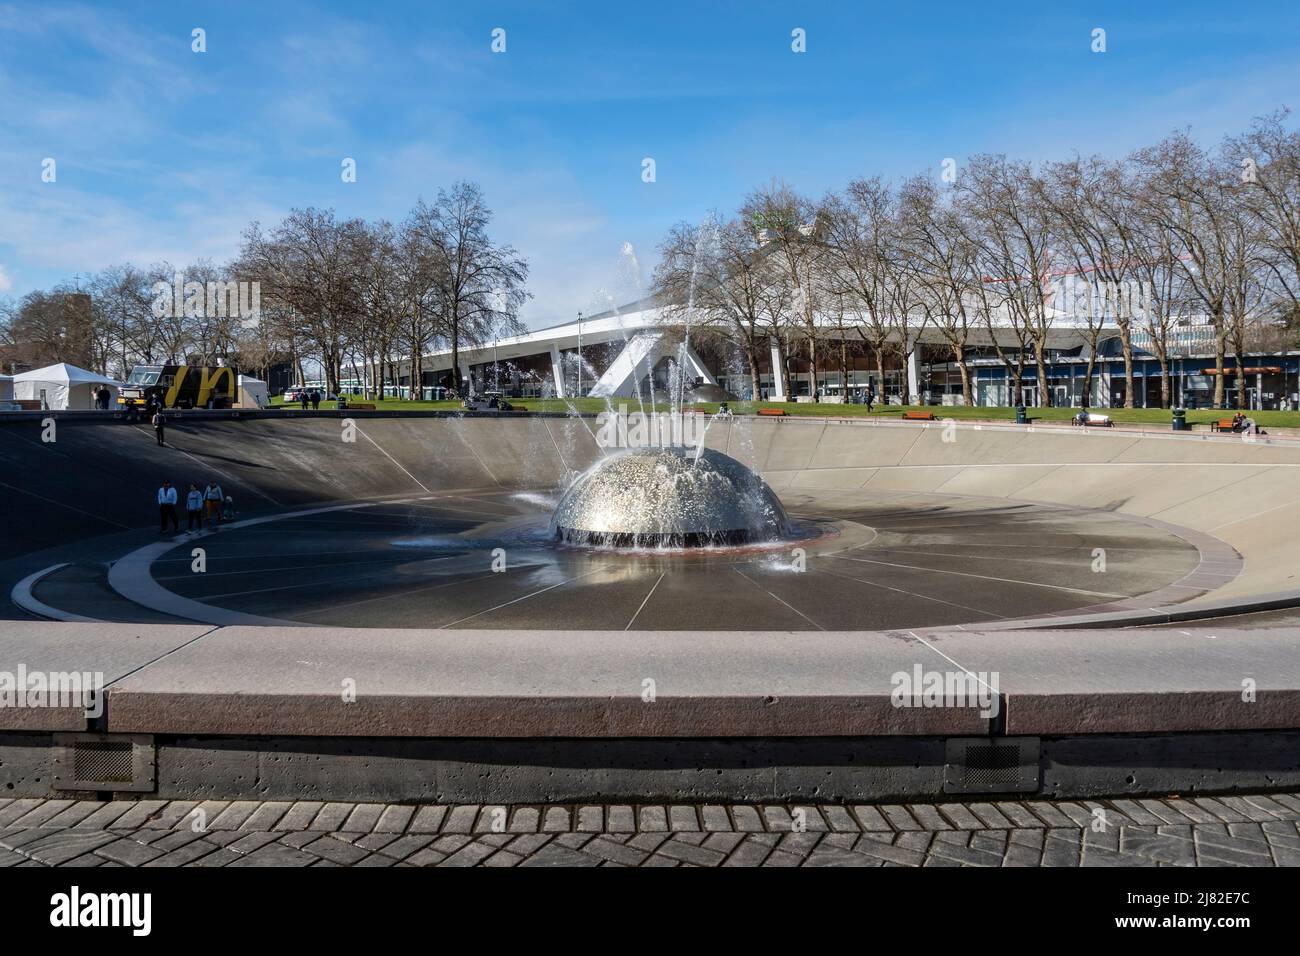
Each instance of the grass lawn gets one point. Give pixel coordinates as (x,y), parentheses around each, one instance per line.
(1146,416)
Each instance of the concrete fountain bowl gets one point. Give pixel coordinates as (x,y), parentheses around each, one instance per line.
(668,498)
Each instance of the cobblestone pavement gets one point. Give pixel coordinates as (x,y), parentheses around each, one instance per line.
(1249,830)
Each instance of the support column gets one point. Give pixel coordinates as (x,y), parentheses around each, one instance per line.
(557,371)
(778,373)
(914,374)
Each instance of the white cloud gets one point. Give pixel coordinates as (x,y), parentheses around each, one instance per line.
(5,282)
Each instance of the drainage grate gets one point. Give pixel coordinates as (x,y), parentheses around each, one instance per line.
(991,765)
(104,762)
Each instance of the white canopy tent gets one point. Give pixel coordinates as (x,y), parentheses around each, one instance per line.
(252,393)
(64,386)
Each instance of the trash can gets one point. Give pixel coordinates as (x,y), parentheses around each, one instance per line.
(1180,420)
(1020,415)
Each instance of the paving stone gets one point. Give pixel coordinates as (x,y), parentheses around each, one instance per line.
(1049,814)
(71,816)
(186,855)
(394,819)
(621,820)
(960,817)
(374,842)
(61,846)
(402,847)
(491,819)
(747,819)
(556,820)
(128,852)
(17,809)
(1190,811)
(652,819)
(299,816)
(809,818)
(526,820)
(1062,847)
(723,842)
(1222,813)
(266,816)
(175,815)
(1269,805)
(554,855)
(989,815)
(839,819)
(870,818)
(591,819)
(460,820)
(531,842)
(138,815)
(776,819)
(428,819)
(1247,809)
(1139,814)
(928,817)
(273,854)
(332,816)
(234,815)
(106,814)
(574,841)
(606,849)
(248,843)
(1018,814)
(363,818)
(682,817)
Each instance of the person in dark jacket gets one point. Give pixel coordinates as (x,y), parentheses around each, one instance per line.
(160,426)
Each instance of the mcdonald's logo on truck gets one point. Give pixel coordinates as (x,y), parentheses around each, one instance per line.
(178,386)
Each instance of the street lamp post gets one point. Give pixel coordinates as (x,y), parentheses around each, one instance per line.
(579,395)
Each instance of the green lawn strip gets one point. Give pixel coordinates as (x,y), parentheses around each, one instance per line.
(1140,416)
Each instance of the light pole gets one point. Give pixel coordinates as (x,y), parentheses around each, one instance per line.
(579,395)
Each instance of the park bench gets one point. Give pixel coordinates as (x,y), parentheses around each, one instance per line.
(1222,425)
(771,411)
(918,417)
(359,407)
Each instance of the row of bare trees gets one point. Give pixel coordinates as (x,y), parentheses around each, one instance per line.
(1007,257)
(356,299)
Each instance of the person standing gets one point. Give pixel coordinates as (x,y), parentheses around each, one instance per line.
(305,398)
(160,426)
(212,499)
(167,508)
(194,509)
(315,400)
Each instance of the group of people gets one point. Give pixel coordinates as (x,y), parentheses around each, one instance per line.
(1244,425)
(208,507)
(310,399)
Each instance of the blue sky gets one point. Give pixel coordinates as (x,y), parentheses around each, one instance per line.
(165,153)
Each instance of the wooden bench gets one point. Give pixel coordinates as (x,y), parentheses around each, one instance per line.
(358,407)
(919,417)
(1222,425)
(771,411)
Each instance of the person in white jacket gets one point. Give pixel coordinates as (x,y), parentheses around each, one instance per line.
(194,509)
(167,508)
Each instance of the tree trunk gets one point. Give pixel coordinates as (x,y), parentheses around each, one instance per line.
(1220,356)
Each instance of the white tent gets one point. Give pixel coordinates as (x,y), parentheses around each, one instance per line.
(252,392)
(63,386)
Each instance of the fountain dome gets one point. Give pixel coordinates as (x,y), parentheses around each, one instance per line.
(668,498)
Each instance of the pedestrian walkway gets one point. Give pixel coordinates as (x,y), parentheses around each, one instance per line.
(1242,830)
